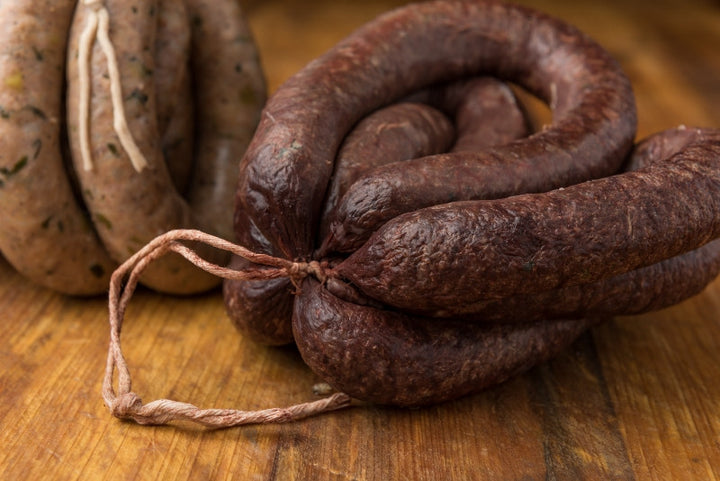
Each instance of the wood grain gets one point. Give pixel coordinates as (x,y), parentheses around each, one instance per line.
(635,398)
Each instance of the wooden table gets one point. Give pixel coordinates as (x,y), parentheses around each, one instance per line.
(635,398)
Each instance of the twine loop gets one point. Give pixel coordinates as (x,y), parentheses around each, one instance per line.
(125,404)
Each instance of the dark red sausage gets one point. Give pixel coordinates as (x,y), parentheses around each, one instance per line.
(287,167)
(262,309)
(641,290)
(537,242)
(388,357)
(399,132)
(559,156)
(486,114)
(285,173)
(485,110)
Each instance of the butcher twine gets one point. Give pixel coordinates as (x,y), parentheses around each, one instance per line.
(125,404)
(98,26)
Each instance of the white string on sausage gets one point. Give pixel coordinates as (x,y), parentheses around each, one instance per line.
(98,26)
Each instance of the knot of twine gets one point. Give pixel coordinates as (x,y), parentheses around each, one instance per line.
(300,270)
(125,404)
(98,26)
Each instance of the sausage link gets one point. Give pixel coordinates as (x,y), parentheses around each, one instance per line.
(285,172)
(230,92)
(393,357)
(579,145)
(395,133)
(634,292)
(262,309)
(389,357)
(44,232)
(129,207)
(532,243)
(174,90)
(654,287)
(487,113)
(485,110)
(288,164)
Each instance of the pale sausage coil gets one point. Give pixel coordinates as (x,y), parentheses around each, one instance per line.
(174,82)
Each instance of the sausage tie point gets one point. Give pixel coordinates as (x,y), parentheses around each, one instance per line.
(125,404)
(98,26)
